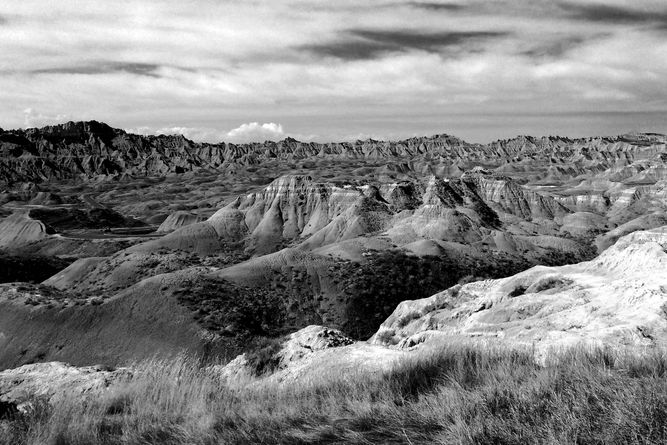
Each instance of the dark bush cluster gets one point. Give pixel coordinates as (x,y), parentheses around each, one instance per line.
(96,218)
(231,310)
(374,288)
(30,268)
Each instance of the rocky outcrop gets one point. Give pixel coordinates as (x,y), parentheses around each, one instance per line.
(617,299)
(296,346)
(50,382)
(314,352)
(511,198)
(291,207)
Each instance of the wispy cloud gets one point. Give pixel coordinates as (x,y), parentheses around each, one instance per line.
(141,69)
(601,12)
(559,46)
(359,44)
(429,41)
(436,6)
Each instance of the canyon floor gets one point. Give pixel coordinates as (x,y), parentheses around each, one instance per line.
(420,291)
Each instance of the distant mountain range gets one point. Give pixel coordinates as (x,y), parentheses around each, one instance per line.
(84,150)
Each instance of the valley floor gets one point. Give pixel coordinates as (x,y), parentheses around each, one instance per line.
(452,395)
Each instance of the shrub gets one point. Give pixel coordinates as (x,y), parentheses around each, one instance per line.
(262,358)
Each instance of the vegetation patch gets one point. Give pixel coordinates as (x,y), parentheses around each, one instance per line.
(230,310)
(375,287)
(43,295)
(30,268)
(95,218)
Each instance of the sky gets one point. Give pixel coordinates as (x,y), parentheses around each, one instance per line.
(325,70)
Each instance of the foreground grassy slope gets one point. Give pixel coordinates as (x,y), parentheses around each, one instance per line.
(458,394)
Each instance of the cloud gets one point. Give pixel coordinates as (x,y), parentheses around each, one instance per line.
(558,47)
(254,132)
(33,118)
(599,12)
(359,44)
(193,133)
(245,133)
(141,69)
(435,6)
(428,41)
(196,134)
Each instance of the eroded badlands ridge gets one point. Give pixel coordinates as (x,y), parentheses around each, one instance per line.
(90,149)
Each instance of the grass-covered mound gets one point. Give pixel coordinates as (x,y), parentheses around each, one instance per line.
(459,394)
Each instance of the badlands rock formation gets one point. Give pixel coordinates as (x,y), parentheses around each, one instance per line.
(90,149)
(475,208)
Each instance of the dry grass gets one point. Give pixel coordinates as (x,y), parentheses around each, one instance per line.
(457,395)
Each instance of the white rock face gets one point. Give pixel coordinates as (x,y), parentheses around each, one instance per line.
(52,381)
(19,229)
(315,352)
(619,298)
